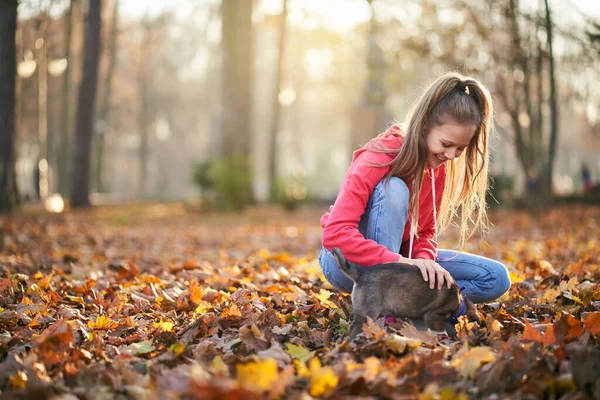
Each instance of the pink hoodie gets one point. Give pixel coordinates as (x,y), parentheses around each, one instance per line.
(340,224)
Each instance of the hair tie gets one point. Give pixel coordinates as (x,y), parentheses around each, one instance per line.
(462,87)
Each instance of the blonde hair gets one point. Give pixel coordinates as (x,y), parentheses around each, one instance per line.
(466,101)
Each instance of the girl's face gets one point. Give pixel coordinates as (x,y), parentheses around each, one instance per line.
(447,141)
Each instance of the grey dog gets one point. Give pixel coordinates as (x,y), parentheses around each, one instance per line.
(398,290)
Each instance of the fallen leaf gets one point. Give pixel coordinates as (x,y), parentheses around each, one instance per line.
(143,347)
(410,331)
(258,375)
(323,380)
(530,333)
(372,331)
(592,323)
(468,360)
(299,352)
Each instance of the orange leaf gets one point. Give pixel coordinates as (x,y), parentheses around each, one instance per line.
(549,338)
(592,323)
(195,292)
(231,312)
(566,328)
(190,264)
(372,330)
(530,333)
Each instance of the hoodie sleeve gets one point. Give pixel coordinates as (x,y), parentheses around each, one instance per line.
(425,246)
(341,229)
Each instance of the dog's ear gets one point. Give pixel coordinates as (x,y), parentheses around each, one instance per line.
(339,257)
(471,311)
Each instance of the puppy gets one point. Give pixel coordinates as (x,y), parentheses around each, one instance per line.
(398,290)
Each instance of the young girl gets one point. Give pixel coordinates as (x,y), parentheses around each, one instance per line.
(405,184)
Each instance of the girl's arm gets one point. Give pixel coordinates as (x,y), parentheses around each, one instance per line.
(341,229)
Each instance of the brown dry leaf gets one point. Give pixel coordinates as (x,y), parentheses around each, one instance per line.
(373,331)
(410,331)
(55,343)
(592,323)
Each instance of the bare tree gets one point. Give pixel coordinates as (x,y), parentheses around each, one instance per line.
(145,112)
(64,152)
(84,127)
(553,102)
(104,112)
(236,99)
(275,117)
(523,66)
(8,73)
(237,77)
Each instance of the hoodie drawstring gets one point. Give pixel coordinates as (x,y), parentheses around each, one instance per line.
(412,223)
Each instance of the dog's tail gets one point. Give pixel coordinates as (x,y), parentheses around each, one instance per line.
(349,270)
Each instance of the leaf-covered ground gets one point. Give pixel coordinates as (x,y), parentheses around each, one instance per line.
(166,302)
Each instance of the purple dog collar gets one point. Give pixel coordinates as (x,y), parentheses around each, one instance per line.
(463,309)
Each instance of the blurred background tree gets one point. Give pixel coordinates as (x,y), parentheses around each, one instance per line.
(270,97)
(8,73)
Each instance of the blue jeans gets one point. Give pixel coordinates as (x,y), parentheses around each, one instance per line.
(480,279)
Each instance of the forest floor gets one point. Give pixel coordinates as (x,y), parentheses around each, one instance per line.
(164,301)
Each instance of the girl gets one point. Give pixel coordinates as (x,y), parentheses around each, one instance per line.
(404,185)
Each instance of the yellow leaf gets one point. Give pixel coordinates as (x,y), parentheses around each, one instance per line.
(301,369)
(259,375)
(203,308)
(299,352)
(568,285)
(19,380)
(219,366)
(372,368)
(323,298)
(102,323)
(514,278)
(466,361)
(322,380)
(398,344)
(549,296)
(177,348)
(165,326)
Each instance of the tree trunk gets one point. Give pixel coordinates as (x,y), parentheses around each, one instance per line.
(8,74)
(236,101)
(64,152)
(236,124)
(84,127)
(275,118)
(104,114)
(553,107)
(144,76)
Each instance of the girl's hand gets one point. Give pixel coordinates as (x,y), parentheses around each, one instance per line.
(432,272)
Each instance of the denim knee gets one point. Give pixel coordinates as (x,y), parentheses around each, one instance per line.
(396,193)
(332,273)
(502,283)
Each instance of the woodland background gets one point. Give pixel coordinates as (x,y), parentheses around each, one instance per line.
(163,169)
(264,100)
